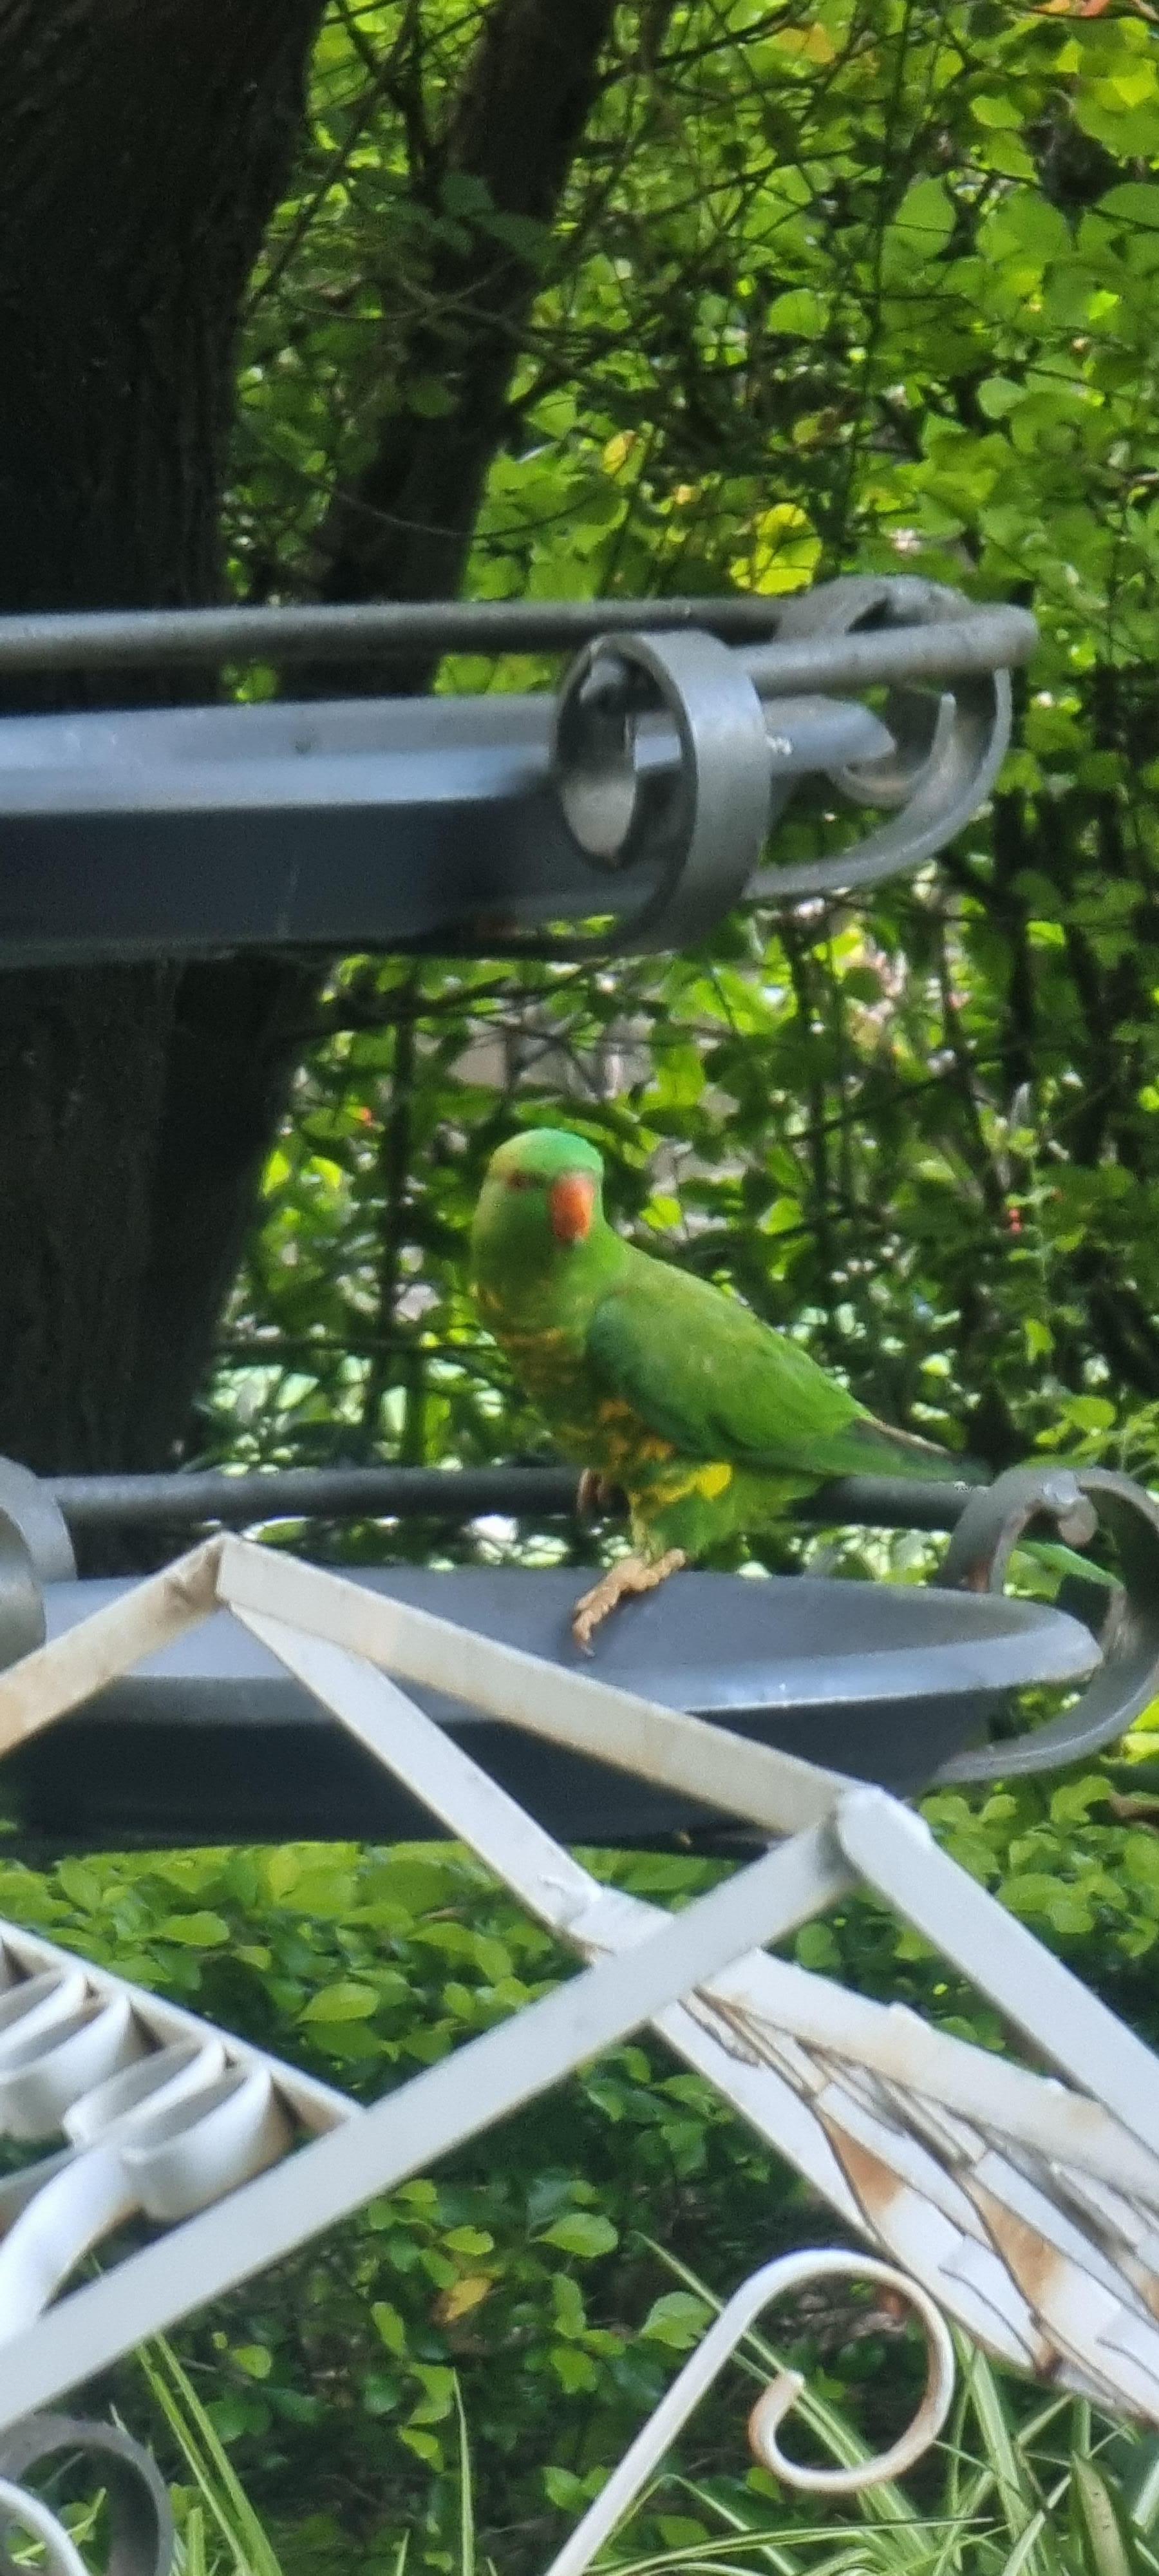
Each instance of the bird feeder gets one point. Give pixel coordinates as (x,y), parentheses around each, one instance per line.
(241,1694)
(630,811)
(209,1740)
(1022,2205)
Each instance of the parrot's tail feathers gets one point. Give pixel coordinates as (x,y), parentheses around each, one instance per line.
(902,1453)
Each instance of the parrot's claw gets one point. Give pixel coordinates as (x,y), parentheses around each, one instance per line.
(631,1574)
(595,1495)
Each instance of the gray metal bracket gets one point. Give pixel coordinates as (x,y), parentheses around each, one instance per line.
(1074,1500)
(629,815)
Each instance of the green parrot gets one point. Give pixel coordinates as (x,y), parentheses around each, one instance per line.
(655,1382)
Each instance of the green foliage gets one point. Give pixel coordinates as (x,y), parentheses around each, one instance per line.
(532,2276)
(831,287)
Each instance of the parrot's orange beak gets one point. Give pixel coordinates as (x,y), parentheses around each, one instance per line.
(572,1202)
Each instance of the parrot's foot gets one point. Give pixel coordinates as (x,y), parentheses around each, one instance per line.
(596,1493)
(632,1574)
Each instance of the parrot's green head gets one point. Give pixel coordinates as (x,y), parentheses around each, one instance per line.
(541,1202)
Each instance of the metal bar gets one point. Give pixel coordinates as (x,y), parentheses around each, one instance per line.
(454,1494)
(163,637)
(896,1854)
(774,2281)
(756,1998)
(772,1789)
(309,1493)
(990,639)
(456,2099)
(551,1883)
(57,1677)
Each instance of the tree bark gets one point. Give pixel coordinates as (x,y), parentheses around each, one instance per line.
(402,532)
(143,144)
(402,529)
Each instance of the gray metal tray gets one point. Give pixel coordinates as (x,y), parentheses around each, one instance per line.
(211,1742)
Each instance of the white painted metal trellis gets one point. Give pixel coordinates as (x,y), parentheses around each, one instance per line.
(1023,2206)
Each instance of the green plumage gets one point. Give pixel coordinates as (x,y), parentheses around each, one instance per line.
(711,1422)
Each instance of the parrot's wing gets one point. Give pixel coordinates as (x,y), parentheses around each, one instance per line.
(703,1371)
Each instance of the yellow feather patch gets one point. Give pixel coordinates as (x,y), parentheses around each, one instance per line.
(658,1496)
(712,1481)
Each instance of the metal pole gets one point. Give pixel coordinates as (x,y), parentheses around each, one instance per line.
(989,639)
(96,640)
(985,639)
(457,1495)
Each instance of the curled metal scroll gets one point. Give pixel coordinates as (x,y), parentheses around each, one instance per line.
(35,1548)
(774,2281)
(705,819)
(160,2114)
(950,743)
(1076,1500)
(141,2537)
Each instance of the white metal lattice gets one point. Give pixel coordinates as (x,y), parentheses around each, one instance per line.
(1026,2206)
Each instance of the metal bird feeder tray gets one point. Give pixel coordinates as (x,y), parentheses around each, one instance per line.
(1019,2203)
(210,1740)
(242,1694)
(628,813)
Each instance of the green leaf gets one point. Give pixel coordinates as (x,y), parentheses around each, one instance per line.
(345,2000)
(574,2370)
(678,2320)
(438,2397)
(815,1947)
(390,2327)
(1090,1412)
(193,1931)
(583,2234)
(1107,2544)
(1134,205)
(921,227)
(800,313)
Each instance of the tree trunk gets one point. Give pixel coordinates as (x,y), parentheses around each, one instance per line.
(403,529)
(143,144)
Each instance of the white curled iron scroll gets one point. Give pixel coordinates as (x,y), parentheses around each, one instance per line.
(789,2272)
(140,2537)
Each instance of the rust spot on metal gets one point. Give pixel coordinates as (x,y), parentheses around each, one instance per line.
(1038,2268)
(871,2181)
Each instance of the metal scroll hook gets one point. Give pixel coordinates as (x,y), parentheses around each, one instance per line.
(140,2538)
(773,2281)
(782,2393)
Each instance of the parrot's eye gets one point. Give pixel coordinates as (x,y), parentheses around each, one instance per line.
(522,1181)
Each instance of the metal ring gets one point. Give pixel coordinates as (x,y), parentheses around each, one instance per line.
(958,742)
(705,821)
(61,2555)
(141,2540)
(28,1501)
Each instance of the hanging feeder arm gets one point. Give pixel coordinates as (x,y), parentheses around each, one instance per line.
(628,813)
